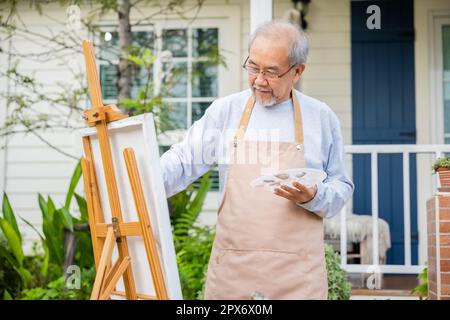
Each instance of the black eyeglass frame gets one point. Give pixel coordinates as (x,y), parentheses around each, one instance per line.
(264,72)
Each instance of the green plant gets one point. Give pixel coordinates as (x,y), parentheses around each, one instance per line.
(45,264)
(55,220)
(441,163)
(339,288)
(58,289)
(10,280)
(422,288)
(12,251)
(192,242)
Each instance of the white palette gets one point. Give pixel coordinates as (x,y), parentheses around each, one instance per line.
(305,176)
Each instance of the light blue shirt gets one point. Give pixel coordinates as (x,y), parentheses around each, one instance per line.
(208,140)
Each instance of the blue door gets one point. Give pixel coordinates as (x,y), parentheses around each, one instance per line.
(383,112)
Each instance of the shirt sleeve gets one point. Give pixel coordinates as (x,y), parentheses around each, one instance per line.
(337,188)
(189,159)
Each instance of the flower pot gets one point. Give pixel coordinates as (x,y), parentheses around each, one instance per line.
(444,177)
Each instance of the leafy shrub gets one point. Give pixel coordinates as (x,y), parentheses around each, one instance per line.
(10,281)
(58,289)
(192,242)
(422,288)
(19,272)
(339,288)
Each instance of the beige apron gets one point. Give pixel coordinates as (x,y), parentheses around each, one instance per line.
(265,243)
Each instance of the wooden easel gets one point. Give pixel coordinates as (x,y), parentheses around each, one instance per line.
(106,235)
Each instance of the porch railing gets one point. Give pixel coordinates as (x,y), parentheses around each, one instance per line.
(374,151)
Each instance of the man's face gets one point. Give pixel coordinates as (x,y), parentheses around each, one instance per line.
(271,55)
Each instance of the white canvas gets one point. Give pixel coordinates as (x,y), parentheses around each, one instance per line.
(139,133)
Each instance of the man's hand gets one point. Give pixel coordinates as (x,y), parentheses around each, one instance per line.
(300,193)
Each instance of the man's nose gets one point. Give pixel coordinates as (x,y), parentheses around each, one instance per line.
(261,79)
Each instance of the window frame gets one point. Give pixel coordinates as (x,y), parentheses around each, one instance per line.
(158,27)
(438,134)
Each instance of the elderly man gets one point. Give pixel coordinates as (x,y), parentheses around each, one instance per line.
(266,242)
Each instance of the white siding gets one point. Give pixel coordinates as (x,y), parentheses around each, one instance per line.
(327,76)
(27,165)
(31,166)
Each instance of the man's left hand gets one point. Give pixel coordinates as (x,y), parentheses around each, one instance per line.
(300,193)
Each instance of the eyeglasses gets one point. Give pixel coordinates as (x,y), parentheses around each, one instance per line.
(253,71)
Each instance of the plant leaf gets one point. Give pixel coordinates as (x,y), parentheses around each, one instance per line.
(7,296)
(73,183)
(51,208)
(46,260)
(25,275)
(53,235)
(67,218)
(34,228)
(8,214)
(13,240)
(82,206)
(43,206)
(136,60)
(9,257)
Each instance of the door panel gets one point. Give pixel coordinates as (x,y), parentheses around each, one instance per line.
(383,112)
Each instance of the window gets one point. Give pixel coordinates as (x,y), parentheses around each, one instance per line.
(194,84)
(446,80)
(109,62)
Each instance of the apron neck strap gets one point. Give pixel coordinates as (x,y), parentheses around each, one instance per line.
(245,118)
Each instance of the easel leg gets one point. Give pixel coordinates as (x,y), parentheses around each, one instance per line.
(147,233)
(114,201)
(105,258)
(85,167)
(112,278)
(93,198)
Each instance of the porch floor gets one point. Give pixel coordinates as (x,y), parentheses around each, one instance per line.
(367,294)
(388,281)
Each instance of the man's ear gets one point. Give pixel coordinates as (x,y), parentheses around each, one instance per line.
(299,70)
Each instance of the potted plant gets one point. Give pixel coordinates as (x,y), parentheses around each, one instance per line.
(442,166)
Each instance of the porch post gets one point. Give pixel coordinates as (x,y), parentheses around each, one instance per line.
(260,12)
(438,229)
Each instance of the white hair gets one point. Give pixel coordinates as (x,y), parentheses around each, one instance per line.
(298,47)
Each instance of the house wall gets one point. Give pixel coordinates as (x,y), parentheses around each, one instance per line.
(29,166)
(3,111)
(429,110)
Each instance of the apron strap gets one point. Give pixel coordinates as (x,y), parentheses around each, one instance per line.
(245,118)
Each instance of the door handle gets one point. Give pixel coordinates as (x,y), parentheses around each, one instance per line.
(411,134)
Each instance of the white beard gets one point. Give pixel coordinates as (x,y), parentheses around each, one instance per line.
(265,103)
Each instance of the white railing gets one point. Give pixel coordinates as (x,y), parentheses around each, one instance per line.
(374,151)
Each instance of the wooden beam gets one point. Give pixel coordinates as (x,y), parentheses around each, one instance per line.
(149,240)
(127,229)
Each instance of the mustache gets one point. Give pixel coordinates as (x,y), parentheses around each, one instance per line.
(261,89)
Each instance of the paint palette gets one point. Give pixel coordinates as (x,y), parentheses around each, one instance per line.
(305,176)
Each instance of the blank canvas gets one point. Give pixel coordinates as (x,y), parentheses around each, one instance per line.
(139,133)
